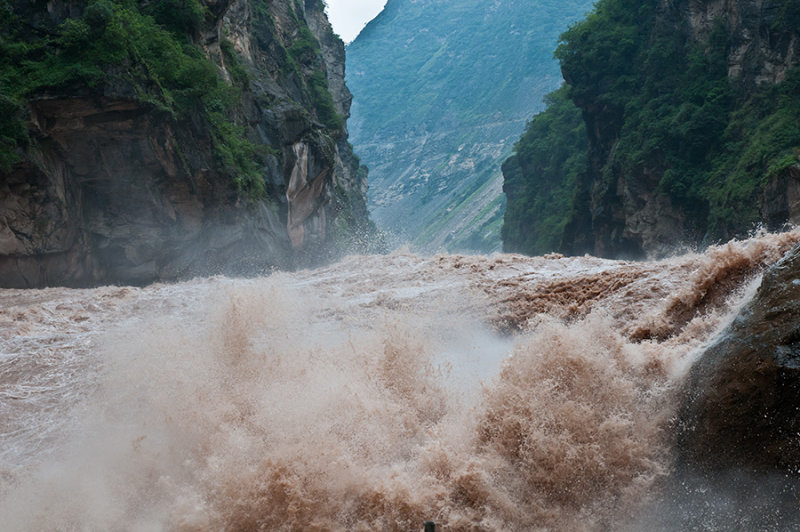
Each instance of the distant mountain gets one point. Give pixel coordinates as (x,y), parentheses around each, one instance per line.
(442,89)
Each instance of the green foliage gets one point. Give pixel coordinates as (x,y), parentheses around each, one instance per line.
(181,17)
(97,16)
(305,61)
(146,46)
(233,63)
(671,107)
(539,179)
(302,59)
(262,17)
(323,102)
(305,48)
(762,138)
(614,36)
(788,16)
(239,157)
(675,121)
(12,132)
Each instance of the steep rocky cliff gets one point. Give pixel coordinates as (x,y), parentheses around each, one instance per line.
(691,112)
(157,140)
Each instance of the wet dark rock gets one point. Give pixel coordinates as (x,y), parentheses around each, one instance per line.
(742,404)
(738,442)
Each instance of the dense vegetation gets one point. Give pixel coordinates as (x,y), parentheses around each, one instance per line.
(667,106)
(539,179)
(149,46)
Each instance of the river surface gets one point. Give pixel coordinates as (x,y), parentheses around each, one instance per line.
(482,393)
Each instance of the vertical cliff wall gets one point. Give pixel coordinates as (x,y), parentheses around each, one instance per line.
(691,116)
(687,178)
(159,140)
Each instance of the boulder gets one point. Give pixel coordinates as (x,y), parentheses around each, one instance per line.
(742,404)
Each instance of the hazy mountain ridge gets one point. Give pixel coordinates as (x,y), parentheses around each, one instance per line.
(441,91)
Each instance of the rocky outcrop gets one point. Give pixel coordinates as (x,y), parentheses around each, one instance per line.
(108,194)
(780,198)
(738,450)
(113,188)
(742,406)
(627,208)
(761,47)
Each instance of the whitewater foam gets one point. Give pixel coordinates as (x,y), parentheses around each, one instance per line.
(501,393)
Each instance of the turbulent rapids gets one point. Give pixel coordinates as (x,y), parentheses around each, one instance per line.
(482,393)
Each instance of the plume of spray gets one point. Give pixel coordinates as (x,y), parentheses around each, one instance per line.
(343,398)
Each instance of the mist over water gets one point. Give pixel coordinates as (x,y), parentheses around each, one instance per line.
(483,393)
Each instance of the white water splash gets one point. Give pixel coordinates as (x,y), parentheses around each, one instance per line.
(497,392)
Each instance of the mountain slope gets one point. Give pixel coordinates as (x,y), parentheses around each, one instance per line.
(441,90)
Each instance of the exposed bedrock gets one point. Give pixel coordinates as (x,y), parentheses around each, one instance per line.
(738,428)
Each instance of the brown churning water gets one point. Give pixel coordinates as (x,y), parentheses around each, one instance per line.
(482,393)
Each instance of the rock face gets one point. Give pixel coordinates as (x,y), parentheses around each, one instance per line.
(760,50)
(780,198)
(738,449)
(111,188)
(742,407)
(690,113)
(622,212)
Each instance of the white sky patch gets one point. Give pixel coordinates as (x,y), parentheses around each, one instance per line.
(348,17)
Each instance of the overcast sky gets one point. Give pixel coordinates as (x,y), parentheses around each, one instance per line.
(348,17)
